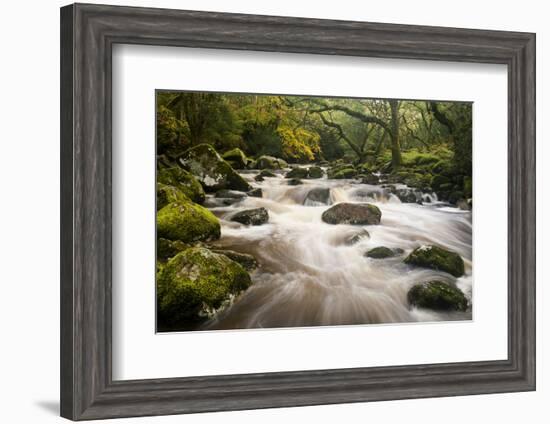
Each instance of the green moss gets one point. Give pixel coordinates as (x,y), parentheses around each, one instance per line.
(169,194)
(342,173)
(169,248)
(236,158)
(267,173)
(211,170)
(382,252)
(315,172)
(183,181)
(187,222)
(437,295)
(435,257)
(269,162)
(297,173)
(194,284)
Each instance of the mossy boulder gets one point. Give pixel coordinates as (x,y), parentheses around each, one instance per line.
(315,172)
(247,261)
(352,213)
(169,248)
(269,162)
(437,258)
(406,195)
(382,252)
(341,172)
(211,170)
(256,216)
(187,222)
(437,295)
(169,194)
(236,158)
(297,173)
(194,284)
(370,179)
(183,181)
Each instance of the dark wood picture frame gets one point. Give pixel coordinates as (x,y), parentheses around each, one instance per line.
(88,33)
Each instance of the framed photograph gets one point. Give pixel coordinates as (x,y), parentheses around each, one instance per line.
(263,212)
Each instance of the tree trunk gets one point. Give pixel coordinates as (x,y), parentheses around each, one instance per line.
(395,147)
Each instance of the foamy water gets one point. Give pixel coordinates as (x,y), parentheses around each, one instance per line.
(309,275)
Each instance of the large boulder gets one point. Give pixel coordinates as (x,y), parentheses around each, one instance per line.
(236,158)
(194,284)
(256,216)
(169,194)
(269,162)
(437,295)
(317,196)
(187,222)
(315,172)
(435,257)
(342,171)
(211,170)
(183,181)
(383,252)
(352,213)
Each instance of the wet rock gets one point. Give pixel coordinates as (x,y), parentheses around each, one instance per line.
(169,248)
(230,194)
(315,172)
(256,216)
(437,258)
(352,213)
(236,158)
(456,197)
(356,238)
(211,170)
(267,173)
(370,179)
(183,181)
(437,295)
(168,194)
(188,222)
(194,284)
(256,192)
(295,181)
(269,162)
(259,178)
(383,252)
(297,173)
(247,261)
(406,195)
(318,195)
(341,172)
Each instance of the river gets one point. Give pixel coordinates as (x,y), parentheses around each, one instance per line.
(310,275)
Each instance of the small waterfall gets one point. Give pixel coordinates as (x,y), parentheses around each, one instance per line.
(310,274)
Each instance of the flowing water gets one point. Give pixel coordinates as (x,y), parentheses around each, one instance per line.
(309,274)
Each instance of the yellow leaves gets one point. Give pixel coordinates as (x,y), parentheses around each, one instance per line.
(299,143)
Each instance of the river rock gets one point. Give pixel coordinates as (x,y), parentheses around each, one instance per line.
(256,216)
(352,213)
(168,194)
(230,194)
(297,173)
(315,172)
(211,170)
(259,178)
(383,252)
(341,172)
(370,179)
(255,192)
(295,181)
(356,238)
(437,295)
(247,261)
(269,162)
(406,195)
(236,158)
(194,284)
(183,181)
(318,195)
(169,248)
(266,173)
(435,257)
(188,222)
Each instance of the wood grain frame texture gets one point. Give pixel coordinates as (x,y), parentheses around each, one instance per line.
(88,33)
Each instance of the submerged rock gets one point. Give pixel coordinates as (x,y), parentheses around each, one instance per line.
(352,213)
(356,238)
(267,173)
(183,181)
(194,284)
(187,222)
(255,192)
(318,195)
(211,170)
(230,194)
(435,257)
(383,252)
(259,178)
(247,261)
(256,216)
(236,158)
(437,295)
(295,181)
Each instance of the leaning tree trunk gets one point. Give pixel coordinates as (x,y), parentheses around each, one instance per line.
(395,147)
